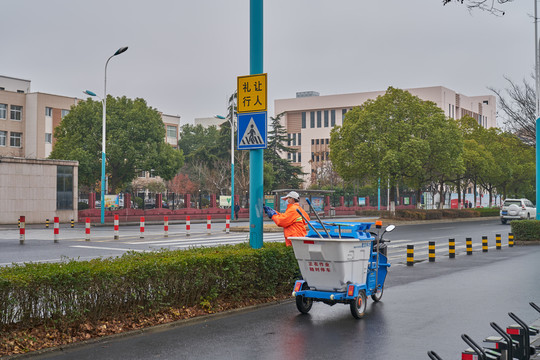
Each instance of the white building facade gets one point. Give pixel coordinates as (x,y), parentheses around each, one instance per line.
(309,118)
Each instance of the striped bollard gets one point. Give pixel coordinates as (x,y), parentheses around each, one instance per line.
(228,224)
(116,227)
(72,223)
(87,229)
(56,228)
(166,226)
(452,248)
(188,225)
(19,223)
(142,228)
(468,241)
(484,244)
(510,239)
(498,241)
(209,224)
(410,255)
(22,231)
(47,224)
(431,251)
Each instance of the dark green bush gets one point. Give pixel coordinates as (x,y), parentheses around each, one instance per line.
(526,230)
(421,214)
(78,291)
(485,212)
(82,205)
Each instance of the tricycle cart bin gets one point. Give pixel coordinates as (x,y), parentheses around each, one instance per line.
(339,264)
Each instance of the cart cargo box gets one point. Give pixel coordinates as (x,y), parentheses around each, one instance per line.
(329,264)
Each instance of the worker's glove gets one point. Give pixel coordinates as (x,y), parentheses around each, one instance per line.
(269,211)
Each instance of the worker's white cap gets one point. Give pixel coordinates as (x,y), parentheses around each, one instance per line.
(292,195)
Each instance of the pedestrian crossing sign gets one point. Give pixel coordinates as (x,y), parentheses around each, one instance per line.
(252,131)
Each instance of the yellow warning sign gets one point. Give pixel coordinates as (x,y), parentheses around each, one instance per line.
(251,93)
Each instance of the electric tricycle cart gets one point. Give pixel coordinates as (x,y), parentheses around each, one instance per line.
(340,262)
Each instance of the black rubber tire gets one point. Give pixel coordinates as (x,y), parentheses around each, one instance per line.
(378,295)
(303,304)
(358,305)
(503,221)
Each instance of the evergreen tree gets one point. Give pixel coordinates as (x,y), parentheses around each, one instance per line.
(285,174)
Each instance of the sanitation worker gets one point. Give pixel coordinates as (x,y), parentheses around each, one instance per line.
(292,223)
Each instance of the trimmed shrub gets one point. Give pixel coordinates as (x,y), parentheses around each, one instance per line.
(485,212)
(82,205)
(69,293)
(421,214)
(526,230)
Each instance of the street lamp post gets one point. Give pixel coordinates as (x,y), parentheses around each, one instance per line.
(231,121)
(103,137)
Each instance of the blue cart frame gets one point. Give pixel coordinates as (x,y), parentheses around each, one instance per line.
(356,293)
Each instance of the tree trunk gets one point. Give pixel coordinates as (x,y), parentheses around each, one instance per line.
(419,198)
(459,194)
(441,195)
(474,194)
(392,199)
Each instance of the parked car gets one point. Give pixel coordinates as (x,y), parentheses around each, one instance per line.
(516,209)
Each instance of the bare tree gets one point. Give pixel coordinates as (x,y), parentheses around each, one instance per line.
(486,5)
(218,178)
(517,103)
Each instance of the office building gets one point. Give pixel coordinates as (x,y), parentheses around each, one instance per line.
(309,118)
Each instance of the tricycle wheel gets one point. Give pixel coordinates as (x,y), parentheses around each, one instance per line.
(358,305)
(303,304)
(377,295)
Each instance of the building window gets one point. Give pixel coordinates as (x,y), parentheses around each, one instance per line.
(303,120)
(64,187)
(299,139)
(299,157)
(48,138)
(317,142)
(3,136)
(141,174)
(312,119)
(325,118)
(288,156)
(16,112)
(319,119)
(48,111)
(293,139)
(3,111)
(333,118)
(171,131)
(64,113)
(15,139)
(294,157)
(327,141)
(152,175)
(343,112)
(312,141)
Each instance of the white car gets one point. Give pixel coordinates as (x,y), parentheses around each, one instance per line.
(516,209)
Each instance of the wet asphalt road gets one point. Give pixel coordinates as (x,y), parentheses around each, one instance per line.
(425,307)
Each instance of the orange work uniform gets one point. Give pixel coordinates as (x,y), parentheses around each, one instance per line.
(291,222)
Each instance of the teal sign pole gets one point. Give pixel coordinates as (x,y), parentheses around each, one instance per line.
(537,170)
(256,156)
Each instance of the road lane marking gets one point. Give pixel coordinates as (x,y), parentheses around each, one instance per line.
(106,248)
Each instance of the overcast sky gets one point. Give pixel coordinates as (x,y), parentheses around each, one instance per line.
(184,55)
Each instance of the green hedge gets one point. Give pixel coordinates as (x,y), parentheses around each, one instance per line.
(421,214)
(78,291)
(526,230)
